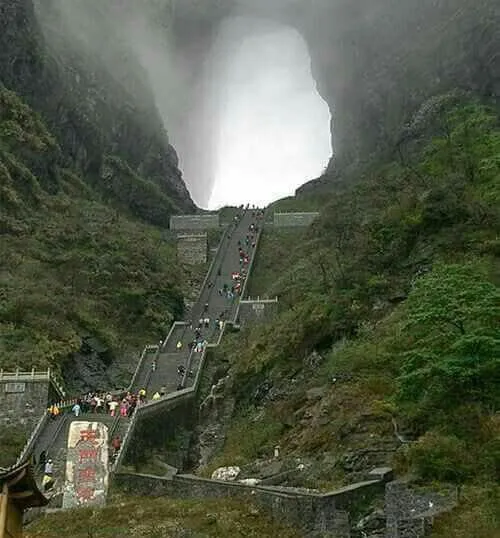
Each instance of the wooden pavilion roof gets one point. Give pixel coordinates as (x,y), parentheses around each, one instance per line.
(23,490)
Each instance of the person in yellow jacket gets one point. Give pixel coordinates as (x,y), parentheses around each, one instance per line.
(156,396)
(47,482)
(54,411)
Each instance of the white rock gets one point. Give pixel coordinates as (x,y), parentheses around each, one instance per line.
(227,474)
(249,481)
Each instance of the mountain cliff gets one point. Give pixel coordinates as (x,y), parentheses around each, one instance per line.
(98,119)
(87,181)
(374,63)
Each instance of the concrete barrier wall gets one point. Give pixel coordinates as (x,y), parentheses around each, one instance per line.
(194,222)
(285,220)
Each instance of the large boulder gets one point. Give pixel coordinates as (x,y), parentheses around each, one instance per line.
(227,474)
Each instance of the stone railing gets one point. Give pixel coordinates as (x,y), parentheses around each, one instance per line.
(259,300)
(147,349)
(250,266)
(176,396)
(180,396)
(30,443)
(32,376)
(173,399)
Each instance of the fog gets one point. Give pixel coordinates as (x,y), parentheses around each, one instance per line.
(273,128)
(243,115)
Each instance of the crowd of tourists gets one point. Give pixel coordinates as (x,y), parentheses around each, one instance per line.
(111,403)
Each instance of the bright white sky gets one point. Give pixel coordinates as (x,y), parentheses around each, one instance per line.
(274,131)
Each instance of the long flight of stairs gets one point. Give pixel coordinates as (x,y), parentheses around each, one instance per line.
(52,440)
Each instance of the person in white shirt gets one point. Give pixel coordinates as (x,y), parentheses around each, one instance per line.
(113,404)
(49,468)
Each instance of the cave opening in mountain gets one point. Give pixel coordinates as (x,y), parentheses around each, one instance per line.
(271,130)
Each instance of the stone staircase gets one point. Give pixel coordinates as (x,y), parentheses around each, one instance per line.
(51,440)
(168,358)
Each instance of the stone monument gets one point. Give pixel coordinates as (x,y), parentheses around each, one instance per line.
(86,465)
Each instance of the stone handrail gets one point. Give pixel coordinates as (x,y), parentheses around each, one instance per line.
(214,259)
(145,351)
(177,396)
(189,392)
(33,375)
(124,443)
(44,375)
(169,335)
(25,452)
(259,300)
(249,272)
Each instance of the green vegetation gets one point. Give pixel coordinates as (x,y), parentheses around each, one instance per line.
(276,250)
(72,264)
(12,440)
(478,515)
(396,286)
(161,518)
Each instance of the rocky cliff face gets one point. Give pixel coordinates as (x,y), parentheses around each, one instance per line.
(95,78)
(107,125)
(376,62)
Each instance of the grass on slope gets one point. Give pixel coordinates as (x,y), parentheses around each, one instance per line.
(162,518)
(70,265)
(277,250)
(396,287)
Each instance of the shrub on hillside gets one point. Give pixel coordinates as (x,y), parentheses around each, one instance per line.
(440,457)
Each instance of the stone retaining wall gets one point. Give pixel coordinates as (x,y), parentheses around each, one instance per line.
(23,403)
(410,511)
(192,248)
(285,220)
(194,222)
(311,512)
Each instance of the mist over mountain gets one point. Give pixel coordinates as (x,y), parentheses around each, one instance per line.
(366,57)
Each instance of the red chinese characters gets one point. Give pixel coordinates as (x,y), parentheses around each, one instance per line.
(88,454)
(85,474)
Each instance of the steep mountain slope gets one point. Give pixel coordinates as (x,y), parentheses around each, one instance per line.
(375,62)
(71,264)
(86,171)
(108,128)
(386,347)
